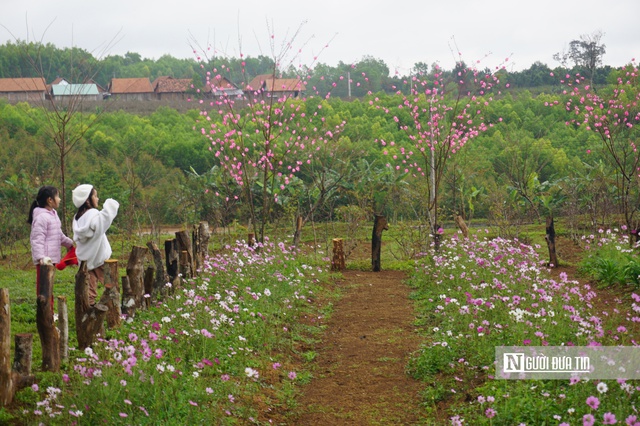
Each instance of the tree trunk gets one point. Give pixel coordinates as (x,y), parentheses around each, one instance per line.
(89,319)
(49,334)
(298,232)
(463,226)
(111,296)
(379,225)
(338,262)
(63,327)
(550,237)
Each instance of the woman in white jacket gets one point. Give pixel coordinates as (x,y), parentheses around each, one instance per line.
(90,226)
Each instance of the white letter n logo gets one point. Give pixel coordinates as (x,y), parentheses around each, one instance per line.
(512,362)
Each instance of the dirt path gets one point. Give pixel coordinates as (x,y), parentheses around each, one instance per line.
(360,378)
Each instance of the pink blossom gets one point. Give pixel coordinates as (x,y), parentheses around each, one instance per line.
(593,402)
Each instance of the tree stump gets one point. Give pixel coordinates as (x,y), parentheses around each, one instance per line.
(160,277)
(251,239)
(7,390)
(12,381)
(171,259)
(23,353)
(550,237)
(135,272)
(185,260)
(379,225)
(128,299)
(184,266)
(63,327)
(89,319)
(200,236)
(462,225)
(338,262)
(111,296)
(148,286)
(49,334)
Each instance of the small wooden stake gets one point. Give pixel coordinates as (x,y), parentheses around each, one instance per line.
(63,327)
(49,334)
(338,262)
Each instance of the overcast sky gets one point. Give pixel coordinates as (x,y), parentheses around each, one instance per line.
(400,33)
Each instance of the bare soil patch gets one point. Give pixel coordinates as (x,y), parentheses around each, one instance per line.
(360,376)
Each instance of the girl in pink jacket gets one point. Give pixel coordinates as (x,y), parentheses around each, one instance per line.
(46,233)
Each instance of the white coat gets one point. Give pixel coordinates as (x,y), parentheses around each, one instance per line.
(89,234)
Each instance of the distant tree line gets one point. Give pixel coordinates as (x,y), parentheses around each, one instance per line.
(368,75)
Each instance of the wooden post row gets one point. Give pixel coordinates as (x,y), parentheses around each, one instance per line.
(49,334)
(12,380)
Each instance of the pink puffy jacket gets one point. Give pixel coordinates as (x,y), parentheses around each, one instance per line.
(47,236)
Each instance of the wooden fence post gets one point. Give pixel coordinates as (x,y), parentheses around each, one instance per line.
(161,278)
(135,272)
(12,381)
(379,225)
(338,262)
(49,334)
(111,296)
(63,327)
(186,259)
(7,389)
(171,259)
(23,353)
(200,237)
(89,319)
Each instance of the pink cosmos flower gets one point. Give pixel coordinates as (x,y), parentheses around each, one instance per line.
(588,420)
(609,419)
(490,413)
(632,421)
(593,402)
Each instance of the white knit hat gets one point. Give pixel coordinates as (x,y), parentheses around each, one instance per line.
(81,194)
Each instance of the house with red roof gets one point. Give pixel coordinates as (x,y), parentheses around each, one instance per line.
(23,89)
(131,89)
(166,87)
(222,87)
(267,85)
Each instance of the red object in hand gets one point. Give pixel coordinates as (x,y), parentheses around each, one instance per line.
(69,259)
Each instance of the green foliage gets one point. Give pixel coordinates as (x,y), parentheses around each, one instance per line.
(610,260)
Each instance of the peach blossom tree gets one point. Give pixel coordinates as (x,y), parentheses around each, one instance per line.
(440,114)
(613,114)
(264,136)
